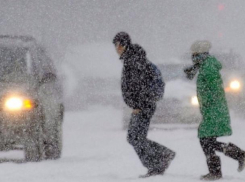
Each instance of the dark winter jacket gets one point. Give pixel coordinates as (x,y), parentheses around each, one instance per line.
(137,76)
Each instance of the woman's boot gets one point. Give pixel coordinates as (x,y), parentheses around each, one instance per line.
(214,167)
(236,153)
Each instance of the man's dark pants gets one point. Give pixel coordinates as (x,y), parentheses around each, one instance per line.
(150,153)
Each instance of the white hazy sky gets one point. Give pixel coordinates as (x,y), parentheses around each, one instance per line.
(164,28)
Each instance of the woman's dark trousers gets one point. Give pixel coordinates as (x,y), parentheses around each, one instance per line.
(210,145)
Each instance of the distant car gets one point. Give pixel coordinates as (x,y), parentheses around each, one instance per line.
(180,104)
(234,80)
(31,107)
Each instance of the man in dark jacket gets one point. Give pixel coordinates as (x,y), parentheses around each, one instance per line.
(137,77)
(214,110)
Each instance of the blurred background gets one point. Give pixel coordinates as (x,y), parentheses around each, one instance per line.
(78,36)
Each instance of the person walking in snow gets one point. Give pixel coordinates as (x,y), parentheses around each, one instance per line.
(142,87)
(213,107)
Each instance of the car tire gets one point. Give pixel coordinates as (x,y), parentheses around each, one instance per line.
(53,148)
(34,146)
(2,144)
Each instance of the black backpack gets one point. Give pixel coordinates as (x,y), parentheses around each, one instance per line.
(157,85)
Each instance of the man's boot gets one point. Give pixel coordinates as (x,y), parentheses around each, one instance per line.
(168,156)
(152,172)
(236,153)
(214,167)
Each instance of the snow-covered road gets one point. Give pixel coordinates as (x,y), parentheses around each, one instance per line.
(96,150)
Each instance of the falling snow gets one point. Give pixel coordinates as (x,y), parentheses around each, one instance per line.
(72,109)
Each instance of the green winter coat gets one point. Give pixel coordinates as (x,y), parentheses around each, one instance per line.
(212,101)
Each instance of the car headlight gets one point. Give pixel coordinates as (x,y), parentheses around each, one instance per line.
(194,101)
(235,85)
(16,103)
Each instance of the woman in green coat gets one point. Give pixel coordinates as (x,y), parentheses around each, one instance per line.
(213,107)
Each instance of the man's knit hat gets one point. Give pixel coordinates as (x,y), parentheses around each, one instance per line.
(123,38)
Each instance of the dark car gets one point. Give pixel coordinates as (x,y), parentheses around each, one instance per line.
(31,107)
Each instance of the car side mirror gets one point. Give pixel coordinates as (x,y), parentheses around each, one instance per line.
(48,77)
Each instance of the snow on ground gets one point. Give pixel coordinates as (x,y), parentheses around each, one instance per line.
(96,150)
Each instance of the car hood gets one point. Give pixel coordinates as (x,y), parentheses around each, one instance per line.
(181,90)
(17,85)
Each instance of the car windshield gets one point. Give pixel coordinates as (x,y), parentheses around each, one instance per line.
(172,71)
(12,60)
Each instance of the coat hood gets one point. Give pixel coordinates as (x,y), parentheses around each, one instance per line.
(215,63)
(139,50)
(134,50)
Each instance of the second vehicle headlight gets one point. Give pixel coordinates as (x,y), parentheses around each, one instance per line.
(194,101)
(235,85)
